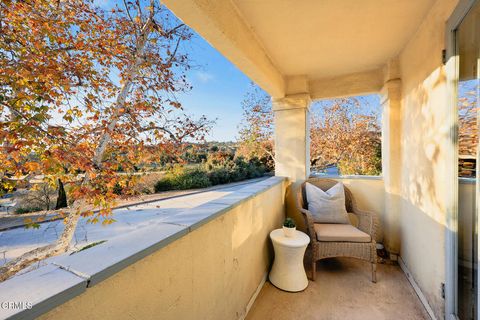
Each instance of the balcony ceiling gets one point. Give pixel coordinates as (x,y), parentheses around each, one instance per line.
(328,38)
(273,40)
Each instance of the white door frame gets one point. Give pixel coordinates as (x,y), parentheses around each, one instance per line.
(451,247)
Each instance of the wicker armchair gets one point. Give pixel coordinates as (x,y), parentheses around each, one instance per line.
(367,222)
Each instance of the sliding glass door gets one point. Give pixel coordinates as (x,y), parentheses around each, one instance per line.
(467,38)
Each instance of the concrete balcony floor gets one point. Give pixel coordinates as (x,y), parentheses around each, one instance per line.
(343,290)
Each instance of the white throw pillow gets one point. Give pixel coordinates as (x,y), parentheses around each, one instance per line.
(327,206)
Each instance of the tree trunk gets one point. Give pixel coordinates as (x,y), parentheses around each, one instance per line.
(62,196)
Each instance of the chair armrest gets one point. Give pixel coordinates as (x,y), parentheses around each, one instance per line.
(367,222)
(309,223)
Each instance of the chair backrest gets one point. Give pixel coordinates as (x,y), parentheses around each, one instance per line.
(323,184)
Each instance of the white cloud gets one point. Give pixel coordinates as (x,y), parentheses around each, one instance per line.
(204,77)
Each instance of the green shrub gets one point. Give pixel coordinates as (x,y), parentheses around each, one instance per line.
(219,169)
(181,178)
(219,175)
(23,210)
(164,184)
(191,179)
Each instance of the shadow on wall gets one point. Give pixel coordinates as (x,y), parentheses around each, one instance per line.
(425,182)
(426,145)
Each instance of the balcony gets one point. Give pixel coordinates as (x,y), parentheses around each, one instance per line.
(176,262)
(211,260)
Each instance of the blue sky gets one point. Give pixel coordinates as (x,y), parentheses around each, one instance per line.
(218,87)
(218,90)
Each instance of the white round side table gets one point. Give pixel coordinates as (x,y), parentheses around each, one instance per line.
(288,272)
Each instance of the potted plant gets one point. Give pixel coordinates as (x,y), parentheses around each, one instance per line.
(289,228)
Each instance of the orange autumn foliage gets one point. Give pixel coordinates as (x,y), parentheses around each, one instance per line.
(84,91)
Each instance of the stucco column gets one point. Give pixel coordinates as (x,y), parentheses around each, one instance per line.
(292,136)
(391,162)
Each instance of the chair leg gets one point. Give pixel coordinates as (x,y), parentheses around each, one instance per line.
(314,269)
(374,272)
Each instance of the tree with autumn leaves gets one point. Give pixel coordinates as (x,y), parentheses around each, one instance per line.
(341,133)
(256,128)
(344,134)
(468,114)
(467,128)
(85,90)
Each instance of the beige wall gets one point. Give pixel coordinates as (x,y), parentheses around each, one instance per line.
(426,148)
(211,273)
(369,195)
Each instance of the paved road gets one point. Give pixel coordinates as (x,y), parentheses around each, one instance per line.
(14,242)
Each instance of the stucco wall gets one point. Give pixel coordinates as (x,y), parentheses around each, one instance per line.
(426,146)
(292,152)
(210,273)
(369,195)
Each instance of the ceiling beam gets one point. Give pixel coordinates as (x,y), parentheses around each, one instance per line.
(220,23)
(347,85)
